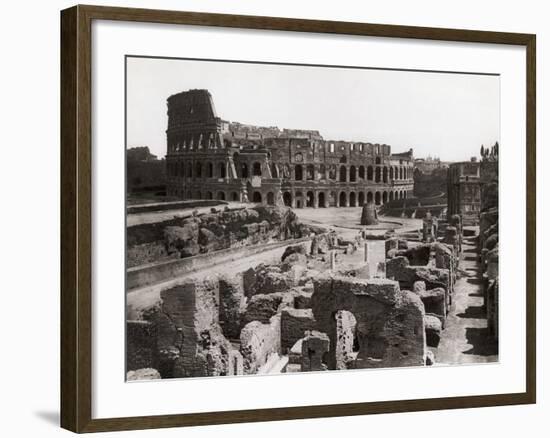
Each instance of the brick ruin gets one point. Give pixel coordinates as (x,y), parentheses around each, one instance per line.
(312,311)
(210,158)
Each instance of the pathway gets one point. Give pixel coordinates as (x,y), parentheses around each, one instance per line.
(465,338)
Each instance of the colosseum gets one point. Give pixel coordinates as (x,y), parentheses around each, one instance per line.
(210,158)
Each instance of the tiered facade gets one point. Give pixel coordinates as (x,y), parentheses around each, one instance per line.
(209,158)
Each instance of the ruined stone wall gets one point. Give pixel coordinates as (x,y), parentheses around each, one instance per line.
(186,237)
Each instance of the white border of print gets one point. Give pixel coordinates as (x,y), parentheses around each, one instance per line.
(113,397)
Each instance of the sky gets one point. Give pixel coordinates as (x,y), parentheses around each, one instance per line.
(448,115)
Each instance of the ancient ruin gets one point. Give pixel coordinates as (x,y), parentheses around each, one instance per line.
(233,276)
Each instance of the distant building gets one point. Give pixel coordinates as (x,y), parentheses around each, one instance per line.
(210,158)
(429,164)
(464,191)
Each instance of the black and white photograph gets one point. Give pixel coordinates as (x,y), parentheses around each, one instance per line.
(286,218)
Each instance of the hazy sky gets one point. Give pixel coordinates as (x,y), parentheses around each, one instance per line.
(448,115)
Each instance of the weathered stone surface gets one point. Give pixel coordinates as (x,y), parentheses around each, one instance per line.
(314,347)
(444,257)
(390,322)
(141,345)
(302,299)
(369,216)
(433,330)
(294,323)
(183,240)
(262,307)
(258,342)
(492,308)
(345,336)
(391,244)
(295,259)
(232,305)
(320,244)
(295,353)
(193,329)
(434,301)
(418,255)
(491,241)
(430,358)
(142,374)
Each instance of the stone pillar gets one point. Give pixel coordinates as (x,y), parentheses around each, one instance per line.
(366,252)
(314,345)
(332,260)
(315,200)
(347,196)
(293,202)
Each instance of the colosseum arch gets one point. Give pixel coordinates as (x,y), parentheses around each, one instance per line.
(223,170)
(377,198)
(369,173)
(310,172)
(378,174)
(257,169)
(385,174)
(198,169)
(352,174)
(310,199)
(332,172)
(298,200)
(221,196)
(244,170)
(361,198)
(209,170)
(391,173)
(342,200)
(198,195)
(298,172)
(401,173)
(287,199)
(189,172)
(391,196)
(384,197)
(257,197)
(343,174)
(361,172)
(274,171)
(352,199)
(321,200)
(234,196)
(369,197)
(322,172)
(209,195)
(270,198)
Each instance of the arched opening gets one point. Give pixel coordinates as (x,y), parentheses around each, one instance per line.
(189,172)
(209,195)
(332,172)
(310,172)
(287,199)
(352,174)
(298,172)
(361,172)
(405,195)
(343,173)
(198,195)
(257,169)
(378,160)
(322,172)
(223,171)
(274,171)
(342,200)
(198,170)
(352,199)
(234,196)
(310,199)
(332,200)
(377,198)
(209,170)
(257,197)
(391,196)
(270,198)
(244,170)
(391,173)
(361,199)
(400,173)
(369,173)
(369,197)
(298,200)
(321,199)
(384,197)
(221,196)
(378,175)
(182,169)
(385,174)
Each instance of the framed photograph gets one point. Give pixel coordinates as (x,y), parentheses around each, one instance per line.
(270,218)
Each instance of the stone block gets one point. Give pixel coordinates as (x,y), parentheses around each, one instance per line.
(294,323)
(433,330)
(314,346)
(142,374)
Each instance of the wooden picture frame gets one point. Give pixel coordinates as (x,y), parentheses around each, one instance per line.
(76,217)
